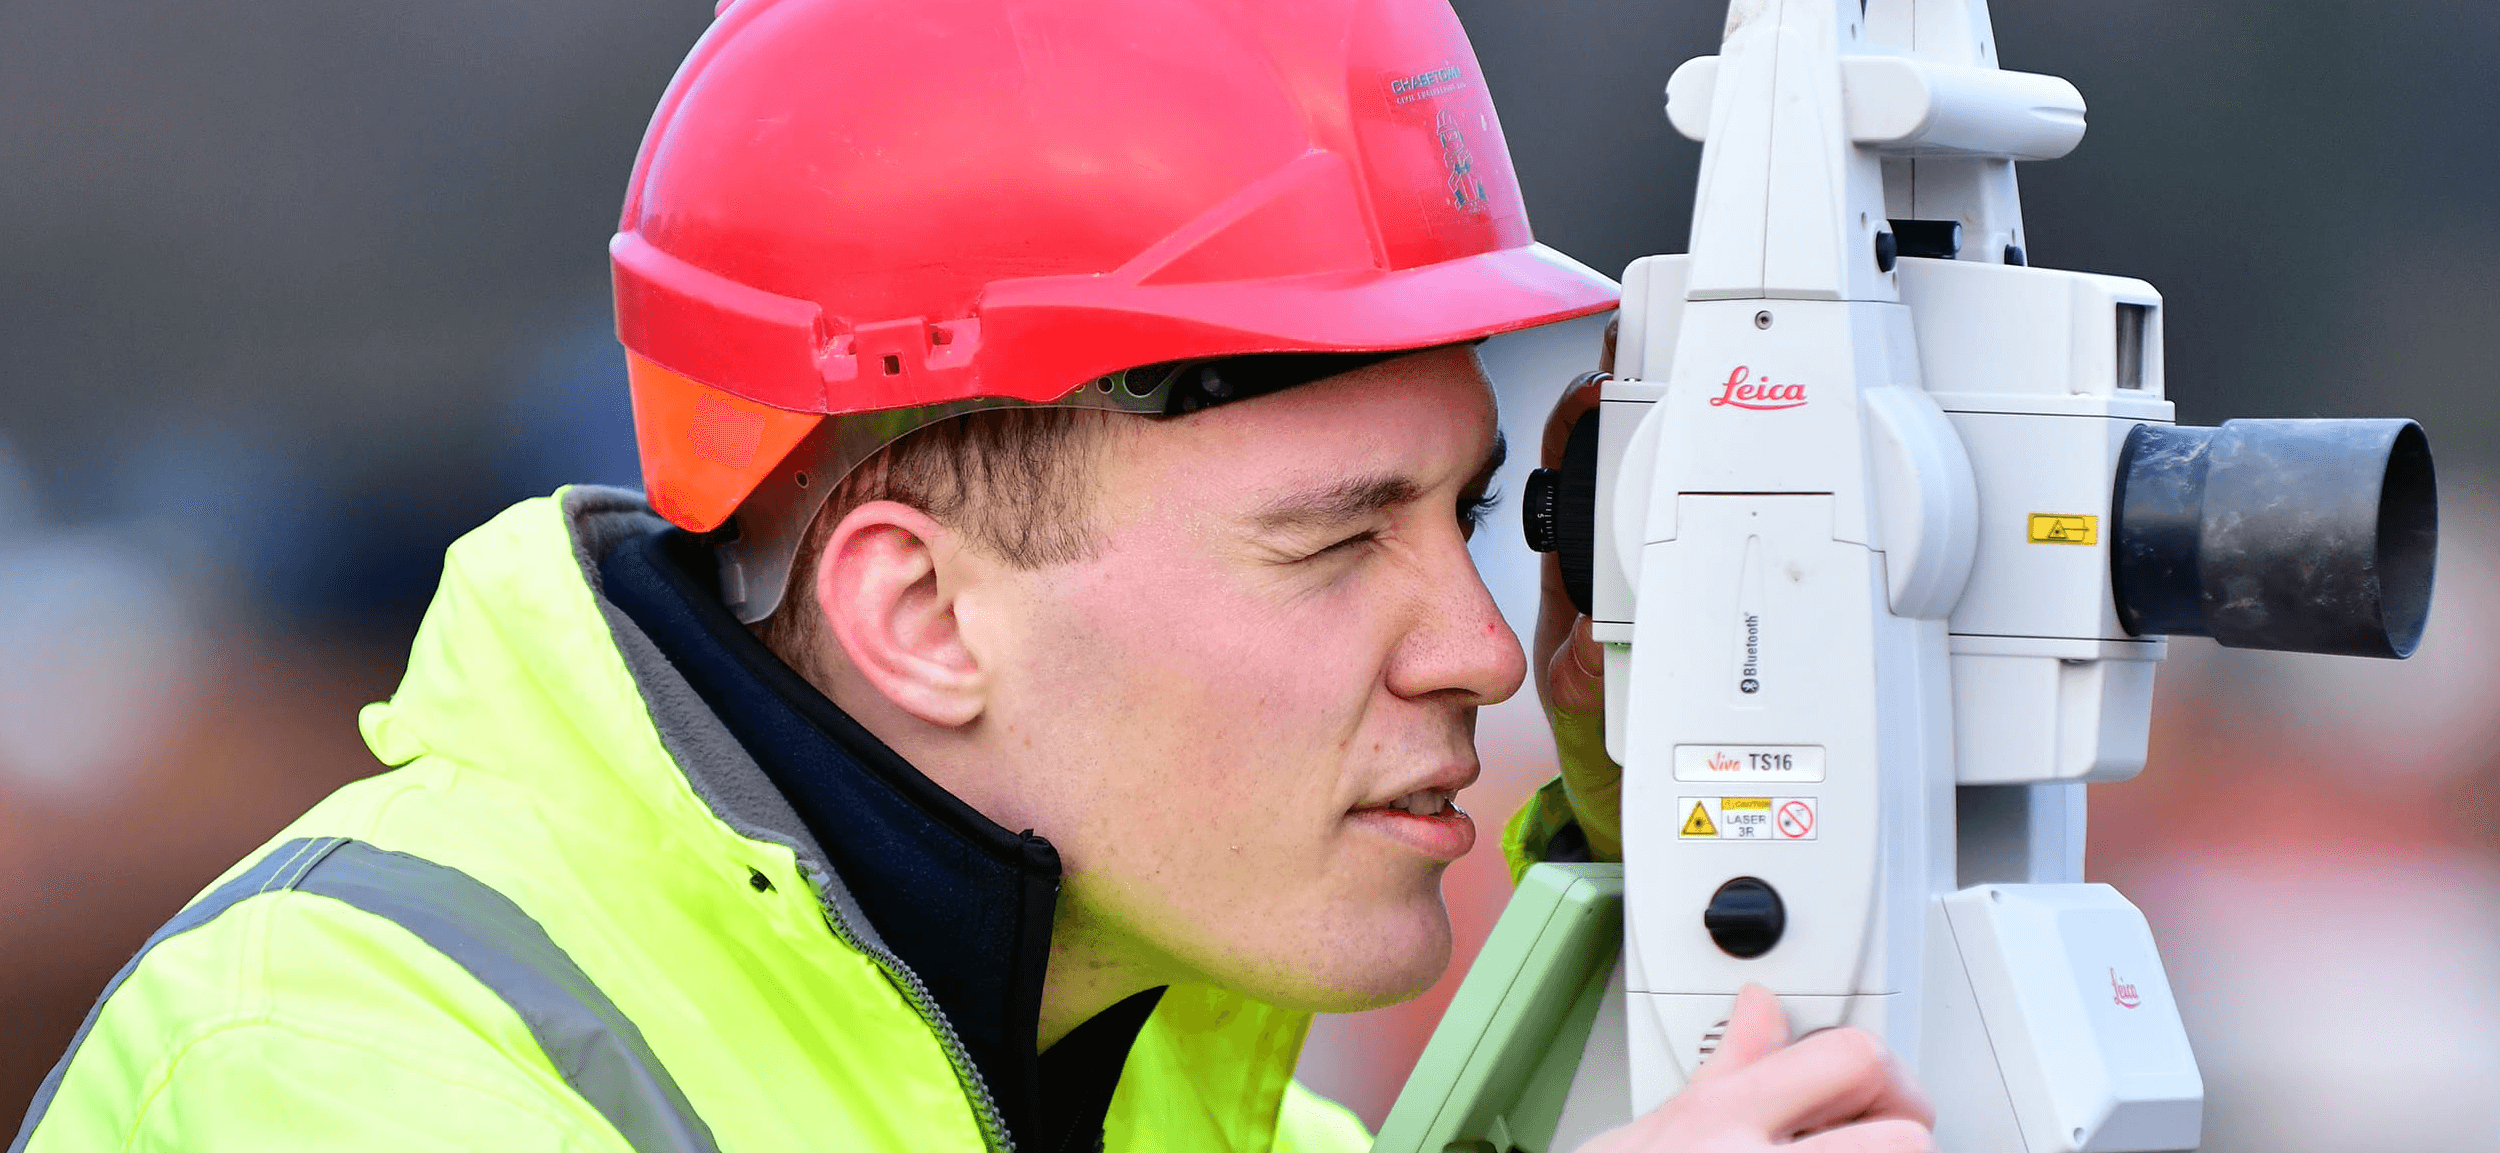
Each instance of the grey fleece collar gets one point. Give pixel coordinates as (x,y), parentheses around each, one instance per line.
(716,765)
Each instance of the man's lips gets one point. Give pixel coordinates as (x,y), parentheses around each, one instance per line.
(1444,835)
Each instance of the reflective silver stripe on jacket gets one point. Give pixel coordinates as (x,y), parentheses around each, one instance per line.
(597,1049)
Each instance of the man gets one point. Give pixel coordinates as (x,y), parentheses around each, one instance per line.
(1055,679)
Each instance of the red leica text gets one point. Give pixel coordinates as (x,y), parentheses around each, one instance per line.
(1743,390)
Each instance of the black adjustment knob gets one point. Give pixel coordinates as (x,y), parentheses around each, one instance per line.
(1536,512)
(1559,514)
(1745,917)
(1887,251)
(1933,239)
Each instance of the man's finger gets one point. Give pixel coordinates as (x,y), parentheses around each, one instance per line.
(1575,677)
(1890,1136)
(1555,612)
(1831,1077)
(1579,398)
(1756,1028)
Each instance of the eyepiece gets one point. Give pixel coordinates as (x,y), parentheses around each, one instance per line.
(2317,536)
(1560,512)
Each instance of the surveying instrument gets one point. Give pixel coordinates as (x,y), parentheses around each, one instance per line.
(1883,532)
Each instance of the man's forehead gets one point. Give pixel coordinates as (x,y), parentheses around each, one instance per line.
(1370,437)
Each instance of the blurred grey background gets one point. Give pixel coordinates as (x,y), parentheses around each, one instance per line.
(292,293)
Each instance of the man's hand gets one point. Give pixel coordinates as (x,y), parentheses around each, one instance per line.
(1570,666)
(1837,1091)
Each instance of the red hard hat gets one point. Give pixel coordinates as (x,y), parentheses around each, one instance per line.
(846,206)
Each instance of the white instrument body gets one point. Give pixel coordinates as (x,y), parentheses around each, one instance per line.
(1852,577)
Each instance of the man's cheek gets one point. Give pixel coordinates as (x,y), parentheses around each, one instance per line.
(1234,832)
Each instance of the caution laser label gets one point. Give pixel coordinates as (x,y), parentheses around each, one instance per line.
(1747,819)
(2065,528)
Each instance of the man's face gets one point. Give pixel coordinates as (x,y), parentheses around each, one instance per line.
(1240,718)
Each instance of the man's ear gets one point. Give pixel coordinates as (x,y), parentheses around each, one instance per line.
(877,582)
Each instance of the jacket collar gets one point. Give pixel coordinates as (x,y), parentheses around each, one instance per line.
(965,903)
(529,679)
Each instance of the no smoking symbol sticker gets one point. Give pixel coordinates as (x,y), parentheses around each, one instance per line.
(1796,819)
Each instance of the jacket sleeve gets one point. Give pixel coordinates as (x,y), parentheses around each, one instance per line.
(1531,830)
(263,1086)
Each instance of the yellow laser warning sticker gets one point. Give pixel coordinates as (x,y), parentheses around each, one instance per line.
(1745,818)
(2065,528)
(1770,819)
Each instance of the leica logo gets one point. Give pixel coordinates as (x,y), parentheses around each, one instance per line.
(1723,763)
(1758,393)
(2122,992)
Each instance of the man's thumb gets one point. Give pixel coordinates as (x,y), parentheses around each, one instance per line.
(1756,1028)
(1575,676)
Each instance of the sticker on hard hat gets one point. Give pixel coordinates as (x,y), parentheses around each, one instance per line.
(1466,188)
(1746,818)
(1423,85)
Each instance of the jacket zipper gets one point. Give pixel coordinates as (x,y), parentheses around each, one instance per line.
(976,1090)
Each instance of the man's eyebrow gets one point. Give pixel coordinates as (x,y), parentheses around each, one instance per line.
(1357,497)
(1335,503)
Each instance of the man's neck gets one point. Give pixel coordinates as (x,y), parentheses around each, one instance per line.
(1094,962)
(1093,966)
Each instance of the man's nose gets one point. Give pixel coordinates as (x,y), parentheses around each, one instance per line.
(1458,644)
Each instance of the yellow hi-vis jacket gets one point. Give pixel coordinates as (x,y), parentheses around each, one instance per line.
(576,916)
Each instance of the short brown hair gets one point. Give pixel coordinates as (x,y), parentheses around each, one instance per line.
(1017,482)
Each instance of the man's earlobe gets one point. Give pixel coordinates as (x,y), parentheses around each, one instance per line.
(878,585)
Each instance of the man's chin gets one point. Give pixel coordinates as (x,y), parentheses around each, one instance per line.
(1353,971)
(1365,1000)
